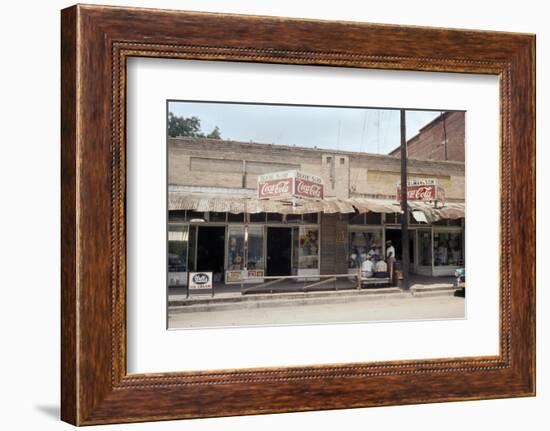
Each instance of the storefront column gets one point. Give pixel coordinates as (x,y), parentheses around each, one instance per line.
(333,244)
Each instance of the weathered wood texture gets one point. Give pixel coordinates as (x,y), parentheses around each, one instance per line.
(95,44)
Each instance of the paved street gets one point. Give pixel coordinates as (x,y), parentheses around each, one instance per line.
(365,310)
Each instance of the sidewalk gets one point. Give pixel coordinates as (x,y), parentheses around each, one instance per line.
(288,296)
(418,283)
(364,308)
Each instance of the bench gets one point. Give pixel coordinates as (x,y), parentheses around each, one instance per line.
(374,281)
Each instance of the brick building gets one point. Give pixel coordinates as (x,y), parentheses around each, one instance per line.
(440,139)
(217,222)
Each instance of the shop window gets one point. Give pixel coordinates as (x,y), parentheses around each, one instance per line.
(363,243)
(447,249)
(235,248)
(274,218)
(295,249)
(178,241)
(257,218)
(425,247)
(373,218)
(293,218)
(217,217)
(191,255)
(177,216)
(255,258)
(308,249)
(195,216)
(312,218)
(449,222)
(235,218)
(393,218)
(357,218)
(455,222)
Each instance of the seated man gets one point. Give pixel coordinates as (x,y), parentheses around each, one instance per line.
(381,269)
(367,267)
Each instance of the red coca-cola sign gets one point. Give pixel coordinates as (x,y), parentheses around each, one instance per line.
(308,189)
(275,188)
(423,190)
(289,184)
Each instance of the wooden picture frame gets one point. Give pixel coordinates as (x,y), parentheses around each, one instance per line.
(95,43)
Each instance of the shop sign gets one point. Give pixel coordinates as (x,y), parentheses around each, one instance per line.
(255,273)
(279,188)
(232,276)
(423,190)
(308,186)
(238,276)
(200,280)
(289,184)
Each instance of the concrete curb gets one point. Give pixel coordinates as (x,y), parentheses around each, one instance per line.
(282,300)
(433,290)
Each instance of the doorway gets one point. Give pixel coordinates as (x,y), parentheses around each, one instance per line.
(394,235)
(210,250)
(279,251)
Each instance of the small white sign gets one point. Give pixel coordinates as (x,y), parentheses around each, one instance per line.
(200,280)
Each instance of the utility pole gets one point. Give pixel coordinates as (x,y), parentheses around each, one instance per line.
(404,205)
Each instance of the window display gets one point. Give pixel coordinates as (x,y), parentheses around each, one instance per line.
(178,239)
(255,248)
(448,249)
(235,248)
(425,247)
(308,252)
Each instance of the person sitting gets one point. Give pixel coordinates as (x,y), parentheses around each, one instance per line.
(367,267)
(381,269)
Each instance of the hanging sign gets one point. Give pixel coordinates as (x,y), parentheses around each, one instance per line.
(308,186)
(290,184)
(423,189)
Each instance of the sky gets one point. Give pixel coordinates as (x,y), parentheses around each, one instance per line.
(336,128)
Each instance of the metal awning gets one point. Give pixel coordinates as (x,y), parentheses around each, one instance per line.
(365,205)
(248,203)
(452,211)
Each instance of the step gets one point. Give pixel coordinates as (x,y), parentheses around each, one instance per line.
(433,290)
(281,300)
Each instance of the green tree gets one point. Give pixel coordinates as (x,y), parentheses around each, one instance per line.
(179,126)
(214,134)
(191,126)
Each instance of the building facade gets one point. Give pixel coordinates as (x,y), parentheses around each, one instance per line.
(217,222)
(440,139)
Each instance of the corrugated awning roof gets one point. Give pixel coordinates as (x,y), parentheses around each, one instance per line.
(241,203)
(248,204)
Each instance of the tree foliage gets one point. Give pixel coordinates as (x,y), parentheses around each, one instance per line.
(214,134)
(191,126)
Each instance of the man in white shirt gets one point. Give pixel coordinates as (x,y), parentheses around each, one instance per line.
(381,269)
(390,257)
(367,267)
(390,250)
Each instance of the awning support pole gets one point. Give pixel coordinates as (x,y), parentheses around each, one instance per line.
(404,205)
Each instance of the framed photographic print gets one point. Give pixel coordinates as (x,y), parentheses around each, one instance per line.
(264,215)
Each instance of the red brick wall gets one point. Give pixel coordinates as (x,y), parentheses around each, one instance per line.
(428,144)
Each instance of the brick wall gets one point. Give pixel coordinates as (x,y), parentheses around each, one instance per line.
(429,142)
(218,163)
(334,237)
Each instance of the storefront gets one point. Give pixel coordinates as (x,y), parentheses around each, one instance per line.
(435,249)
(287,227)
(238,248)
